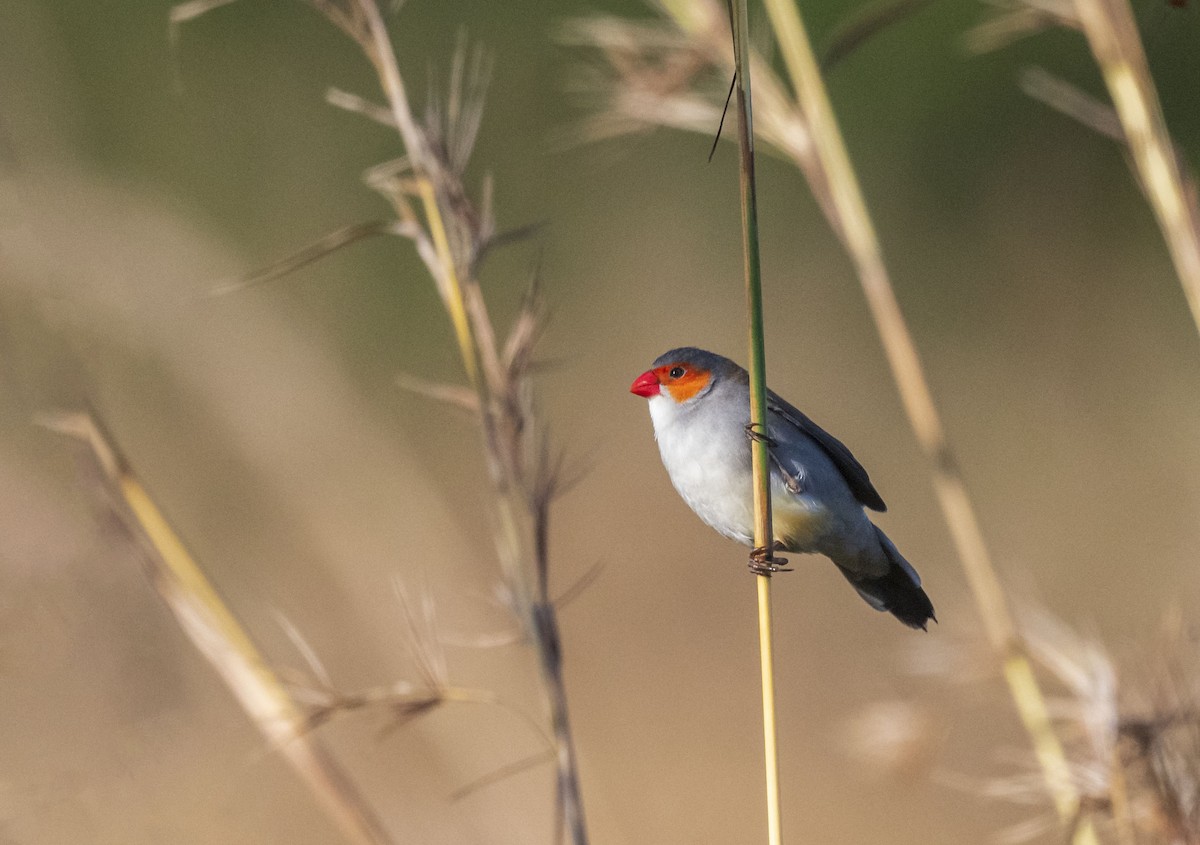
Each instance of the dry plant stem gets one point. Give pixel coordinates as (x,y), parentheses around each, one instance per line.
(477,343)
(451,232)
(454,304)
(760,447)
(217,634)
(752,270)
(766,652)
(1114,41)
(1122,810)
(521,528)
(378,47)
(864,25)
(571,803)
(1035,717)
(862,244)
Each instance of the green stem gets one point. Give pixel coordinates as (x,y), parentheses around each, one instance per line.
(753,274)
(763,534)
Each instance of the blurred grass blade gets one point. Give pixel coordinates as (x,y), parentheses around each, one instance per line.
(452,394)
(217,634)
(452,295)
(1062,96)
(184,12)
(1014,22)
(360,105)
(1098,116)
(314,252)
(500,774)
(864,25)
(1113,37)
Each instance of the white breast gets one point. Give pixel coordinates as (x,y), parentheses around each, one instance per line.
(707,457)
(709,465)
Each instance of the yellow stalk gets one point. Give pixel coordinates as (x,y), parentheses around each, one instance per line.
(216,633)
(452,294)
(766,650)
(862,244)
(1031,707)
(378,47)
(274,705)
(1113,37)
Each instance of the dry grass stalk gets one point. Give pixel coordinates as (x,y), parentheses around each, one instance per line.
(1098,116)
(1169,187)
(1134,738)
(863,246)
(1113,38)
(401,701)
(864,25)
(804,129)
(1071,101)
(216,633)
(1016,19)
(453,229)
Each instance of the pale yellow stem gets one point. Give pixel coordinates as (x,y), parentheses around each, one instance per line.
(1113,37)
(862,244)
(1031,707)
(764,535)
(766,651)
(218,635)
(452,294)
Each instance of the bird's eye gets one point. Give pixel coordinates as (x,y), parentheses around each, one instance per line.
(676,372)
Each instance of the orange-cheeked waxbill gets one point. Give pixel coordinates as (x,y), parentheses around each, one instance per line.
(700,405)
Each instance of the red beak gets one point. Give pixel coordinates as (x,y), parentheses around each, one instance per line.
(645,385)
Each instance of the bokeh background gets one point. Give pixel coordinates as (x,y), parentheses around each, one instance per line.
(139,169)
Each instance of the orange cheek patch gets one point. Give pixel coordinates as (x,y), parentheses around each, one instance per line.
(686,386)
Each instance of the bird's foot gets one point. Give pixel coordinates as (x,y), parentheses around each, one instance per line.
(752,431)
(764,562)
(793,481)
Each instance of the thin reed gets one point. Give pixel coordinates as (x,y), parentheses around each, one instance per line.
(217,634)
(762,560)
(1113,38)
(1116,45)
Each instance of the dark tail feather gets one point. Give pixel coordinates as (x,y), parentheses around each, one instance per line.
(898,592)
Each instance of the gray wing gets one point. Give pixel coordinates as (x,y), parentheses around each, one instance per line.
(856,477)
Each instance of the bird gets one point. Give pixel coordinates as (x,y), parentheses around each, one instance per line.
(700,407)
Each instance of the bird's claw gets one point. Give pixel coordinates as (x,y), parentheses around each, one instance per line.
(794,482)
(752,431)
(764,562)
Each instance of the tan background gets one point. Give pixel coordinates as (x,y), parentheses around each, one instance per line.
(266,424)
